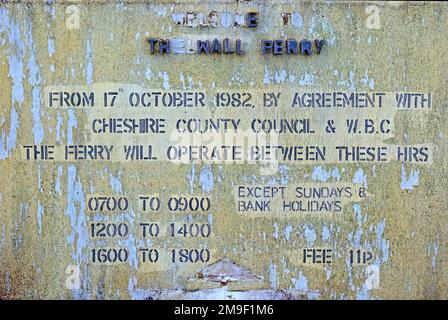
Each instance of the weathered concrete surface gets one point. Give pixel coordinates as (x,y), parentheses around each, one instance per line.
(44,221)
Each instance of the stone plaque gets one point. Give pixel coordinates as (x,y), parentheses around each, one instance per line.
(223,150)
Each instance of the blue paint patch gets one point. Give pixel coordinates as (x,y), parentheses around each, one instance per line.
(382,243)
(5,151)
(280,76)
(72,123)
(358,234)
(115,183)
(15,57)
(320,174)
(296,19)
(40,215)
(148,73)
(50,44)
(301,284)
(287,232)
(131,240)
(368,82)
(325,234)
(58,180)
(78,239)
(360,178)
(35,82)
(275,234)
(15,63)
(351,77)
(363,293)
(273,275)
(191,177)
(39,181)
(76,211)
(267,77)
(436,253)
(3,238)
(335,174)
(58,127)
(310,234)
(206,179)
(319,27)
(210,218)
(283,170)
(328,273)
(408,183)
(166,80)
(323,175)
(307,79)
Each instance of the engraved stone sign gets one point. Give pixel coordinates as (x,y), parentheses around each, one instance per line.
(223,150)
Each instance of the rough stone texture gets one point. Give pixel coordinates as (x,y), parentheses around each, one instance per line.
(44,220)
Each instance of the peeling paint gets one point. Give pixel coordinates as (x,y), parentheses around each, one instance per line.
(72,123)
(360,178)
(400,232)
(115,183)
(40,215)
(34,80)
(310,234)
(206,179)
(89,60)
(408,183)
(273,275)
(76,212)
